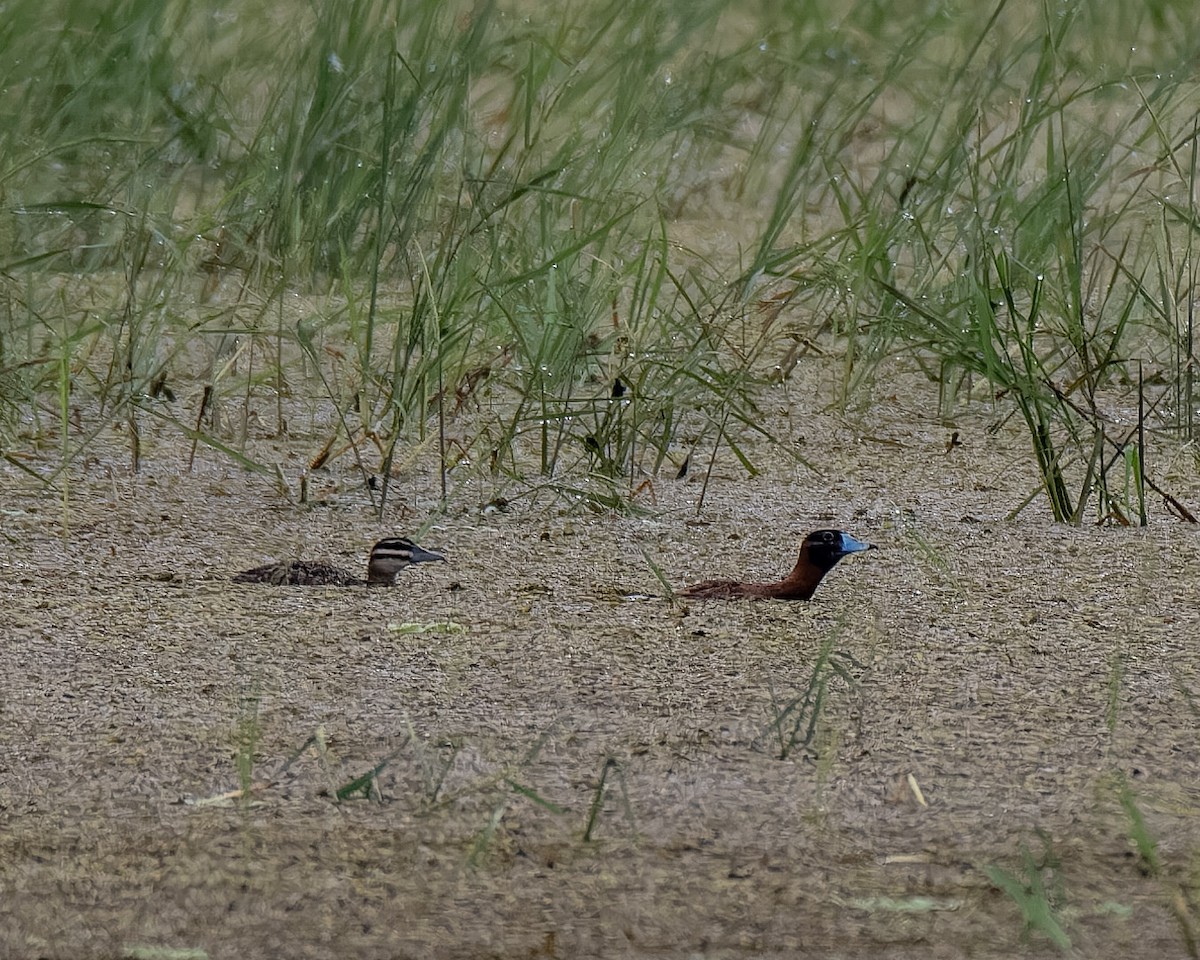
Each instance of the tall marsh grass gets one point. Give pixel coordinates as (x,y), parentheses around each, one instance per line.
(569,247)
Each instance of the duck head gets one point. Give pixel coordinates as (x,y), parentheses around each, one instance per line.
(822,549)
(392,554)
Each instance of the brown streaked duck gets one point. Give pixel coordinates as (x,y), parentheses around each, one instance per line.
(388,557)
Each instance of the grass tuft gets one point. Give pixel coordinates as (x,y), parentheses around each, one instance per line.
(1028,889)
(569,249)
(795,721)
(615,769)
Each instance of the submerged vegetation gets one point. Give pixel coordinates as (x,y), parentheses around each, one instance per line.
(573,247)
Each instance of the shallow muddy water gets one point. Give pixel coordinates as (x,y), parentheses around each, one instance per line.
(568,764)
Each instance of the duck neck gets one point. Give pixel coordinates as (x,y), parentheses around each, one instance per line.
(800,584)
(379,576)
